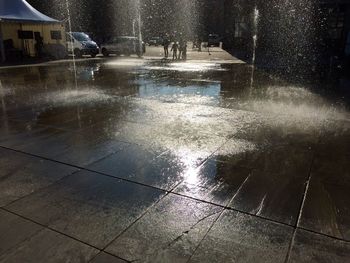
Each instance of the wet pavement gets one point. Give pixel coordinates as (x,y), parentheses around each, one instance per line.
(149,160)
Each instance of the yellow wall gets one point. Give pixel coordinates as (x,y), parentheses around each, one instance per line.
(10,31)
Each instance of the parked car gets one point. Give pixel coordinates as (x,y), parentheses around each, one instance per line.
(155,41)
(124,45)
(81,44)
(214,40)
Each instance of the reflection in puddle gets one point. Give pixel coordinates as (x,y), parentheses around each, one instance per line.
(208,94)
(192,116)
(125,63)
(188,67)
(72,97)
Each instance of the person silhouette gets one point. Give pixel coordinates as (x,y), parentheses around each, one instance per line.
(174,49)
(166,44)
(184,51)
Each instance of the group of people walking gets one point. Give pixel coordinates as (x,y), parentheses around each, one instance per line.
(179,49)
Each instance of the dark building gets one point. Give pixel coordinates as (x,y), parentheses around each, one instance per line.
(300,35)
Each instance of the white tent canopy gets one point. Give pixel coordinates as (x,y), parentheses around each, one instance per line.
(20,10)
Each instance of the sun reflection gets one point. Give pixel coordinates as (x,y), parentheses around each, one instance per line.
(191,171)
(188,67)
(123,63)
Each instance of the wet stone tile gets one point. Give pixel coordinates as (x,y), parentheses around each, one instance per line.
(106,258)
(313,248)
(48,246)
(169,232)
(214,181)
(248,159)
(263,133)
(90,207)
(326,209)
(275,196)
(125,163)
(14,230)
(236,237)
(49,146)
(337,142)
(295,161)
(22,175)
(16,134)
(36,141)
(163,172)
(332,168)
(87,153)
(56,116)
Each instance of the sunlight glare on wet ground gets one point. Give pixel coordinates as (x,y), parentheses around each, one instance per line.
(192,117)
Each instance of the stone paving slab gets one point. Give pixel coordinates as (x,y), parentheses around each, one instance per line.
(87,153)
(14,230)
(326,209)
(90,207)
(276,196)
(332,168)
(22,175)
(138,164)
(106,258)
(215,182)
(169,232)
(272,187)
(314,248)
(241,238)
(51,247)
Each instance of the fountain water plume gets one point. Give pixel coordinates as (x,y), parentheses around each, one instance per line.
(139,22)
(255,33)
(72,45)
(255,41)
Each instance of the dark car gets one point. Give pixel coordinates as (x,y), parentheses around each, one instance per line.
(155,41)
(124,45)
(214,40)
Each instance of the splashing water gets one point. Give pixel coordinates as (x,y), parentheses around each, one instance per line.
(73,97)
(255,33)
(72,45)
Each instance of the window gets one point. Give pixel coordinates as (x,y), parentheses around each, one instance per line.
(25,34)
(56,35)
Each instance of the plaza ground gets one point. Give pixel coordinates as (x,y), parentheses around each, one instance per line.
(152,160)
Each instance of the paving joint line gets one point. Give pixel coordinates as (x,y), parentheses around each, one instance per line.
(48,227)
(101,252)
(206,234)
(84,169)
(135,221)
(324,235)
(21,242)
(225,207)
(301,207)
(42,188)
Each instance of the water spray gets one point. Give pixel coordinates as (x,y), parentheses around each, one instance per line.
(71,44)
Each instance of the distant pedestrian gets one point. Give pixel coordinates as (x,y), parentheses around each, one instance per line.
(166,44)
(184,51)
(174,49)
(180,47)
